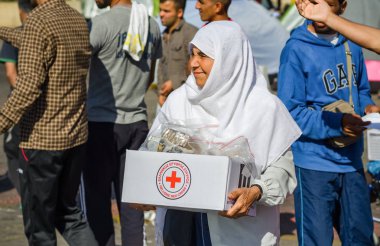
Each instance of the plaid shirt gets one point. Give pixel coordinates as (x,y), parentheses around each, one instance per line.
(49,98)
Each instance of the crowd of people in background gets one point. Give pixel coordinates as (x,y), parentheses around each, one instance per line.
(76,104)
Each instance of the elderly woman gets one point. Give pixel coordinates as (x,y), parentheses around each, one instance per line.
(226,88)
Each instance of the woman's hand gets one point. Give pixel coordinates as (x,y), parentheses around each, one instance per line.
(244,198)
(142,207)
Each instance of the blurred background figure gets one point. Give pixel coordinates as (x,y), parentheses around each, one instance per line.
(173,67)
(116,111)
(90,9)
(274,6)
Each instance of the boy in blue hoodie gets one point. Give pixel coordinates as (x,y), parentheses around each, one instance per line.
(332,190)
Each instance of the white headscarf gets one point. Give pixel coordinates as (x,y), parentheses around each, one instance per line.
(235,96)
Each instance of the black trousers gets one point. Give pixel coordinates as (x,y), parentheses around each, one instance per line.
(11,149)
(186,229)
(180,228)
(106,148)
(49,183)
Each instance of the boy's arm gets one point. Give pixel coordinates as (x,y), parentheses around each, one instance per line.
(8,56)
(292,91)
(363,86)
(11,73)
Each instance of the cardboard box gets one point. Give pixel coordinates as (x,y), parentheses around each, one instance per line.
(373,144)
(189,181)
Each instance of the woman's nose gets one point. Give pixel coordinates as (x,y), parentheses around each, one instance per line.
(194,62)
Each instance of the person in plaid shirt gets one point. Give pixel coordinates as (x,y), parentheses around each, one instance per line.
(49,104)
(8,56)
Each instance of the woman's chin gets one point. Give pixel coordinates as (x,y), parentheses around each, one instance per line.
(200,84)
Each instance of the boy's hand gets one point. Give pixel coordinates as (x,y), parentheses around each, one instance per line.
(353,125)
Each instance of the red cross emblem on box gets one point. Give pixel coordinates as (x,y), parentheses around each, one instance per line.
(173,179)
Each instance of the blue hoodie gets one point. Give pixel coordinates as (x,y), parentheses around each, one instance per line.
(313,73)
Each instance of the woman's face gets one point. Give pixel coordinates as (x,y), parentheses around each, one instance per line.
(201,66)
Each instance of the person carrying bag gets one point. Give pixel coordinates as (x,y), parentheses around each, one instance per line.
(341,106)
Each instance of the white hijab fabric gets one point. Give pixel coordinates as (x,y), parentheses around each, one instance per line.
(236,96)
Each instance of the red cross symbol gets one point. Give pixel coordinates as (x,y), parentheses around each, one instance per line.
(173,179)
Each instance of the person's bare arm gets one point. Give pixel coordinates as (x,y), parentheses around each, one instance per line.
(11,73)
(318,10)
(365,36)
(166,88)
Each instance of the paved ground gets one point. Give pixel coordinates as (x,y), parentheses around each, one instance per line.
(11,228)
